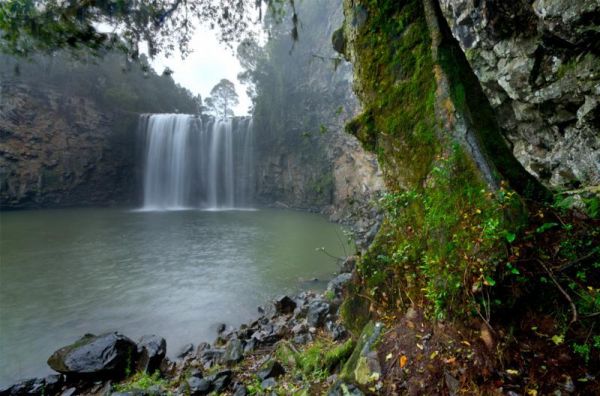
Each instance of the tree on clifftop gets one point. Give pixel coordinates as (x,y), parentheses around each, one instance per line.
(222,99)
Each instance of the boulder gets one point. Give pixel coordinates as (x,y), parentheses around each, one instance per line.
(337,331)
(198,386)
(234,352)
(317,311)
(239,390)
(271,369)
(151,350)
(210,357)
(250,345)
(284,305)
(105,356)
(220,380)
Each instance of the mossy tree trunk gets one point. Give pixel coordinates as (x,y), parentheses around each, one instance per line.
(457,194)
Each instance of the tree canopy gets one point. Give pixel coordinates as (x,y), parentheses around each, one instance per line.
(223,98)
(30,26)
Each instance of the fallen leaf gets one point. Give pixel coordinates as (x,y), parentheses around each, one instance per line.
(450,360)
(512,372)
(388,356)
(403,361)
(433,355)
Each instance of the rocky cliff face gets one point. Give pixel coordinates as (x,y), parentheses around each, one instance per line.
(62,151)
(538,63)
(324,170)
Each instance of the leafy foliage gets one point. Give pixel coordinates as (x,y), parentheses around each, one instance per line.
(222,99)
(31,26)
(113,82)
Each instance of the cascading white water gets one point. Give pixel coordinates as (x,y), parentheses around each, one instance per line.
(189,163)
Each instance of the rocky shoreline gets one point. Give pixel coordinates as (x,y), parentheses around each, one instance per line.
(297,345)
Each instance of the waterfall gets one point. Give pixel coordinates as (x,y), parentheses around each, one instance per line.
(191,162)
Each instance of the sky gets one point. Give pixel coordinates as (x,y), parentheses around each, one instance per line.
(208,63)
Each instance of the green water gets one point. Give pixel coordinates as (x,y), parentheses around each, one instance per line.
(178,274)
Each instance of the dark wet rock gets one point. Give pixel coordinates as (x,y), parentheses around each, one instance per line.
(284,305)
(266,336)
(202,347)
(343,389)
(317,311)
(185,351)
(220,380)
(210,357)
(299,328)
(195,373)
(151,351)
(337,331)
(105,356)
(302,339)
(53,383)
(239,390)
(33,386)
(280,328)
(225,334)
(168,368)
(250,345)
(105,389)
(268,383)
(245,332)
(270,369)
(234,352)
(199,386)
(338,41)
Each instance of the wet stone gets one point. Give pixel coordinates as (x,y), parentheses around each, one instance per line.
(233,352)
(317,311)
(268,383)
(220,380)
(185,351)
(271,369)
(284,305)
(151,351)
(96,357)
(198,386)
